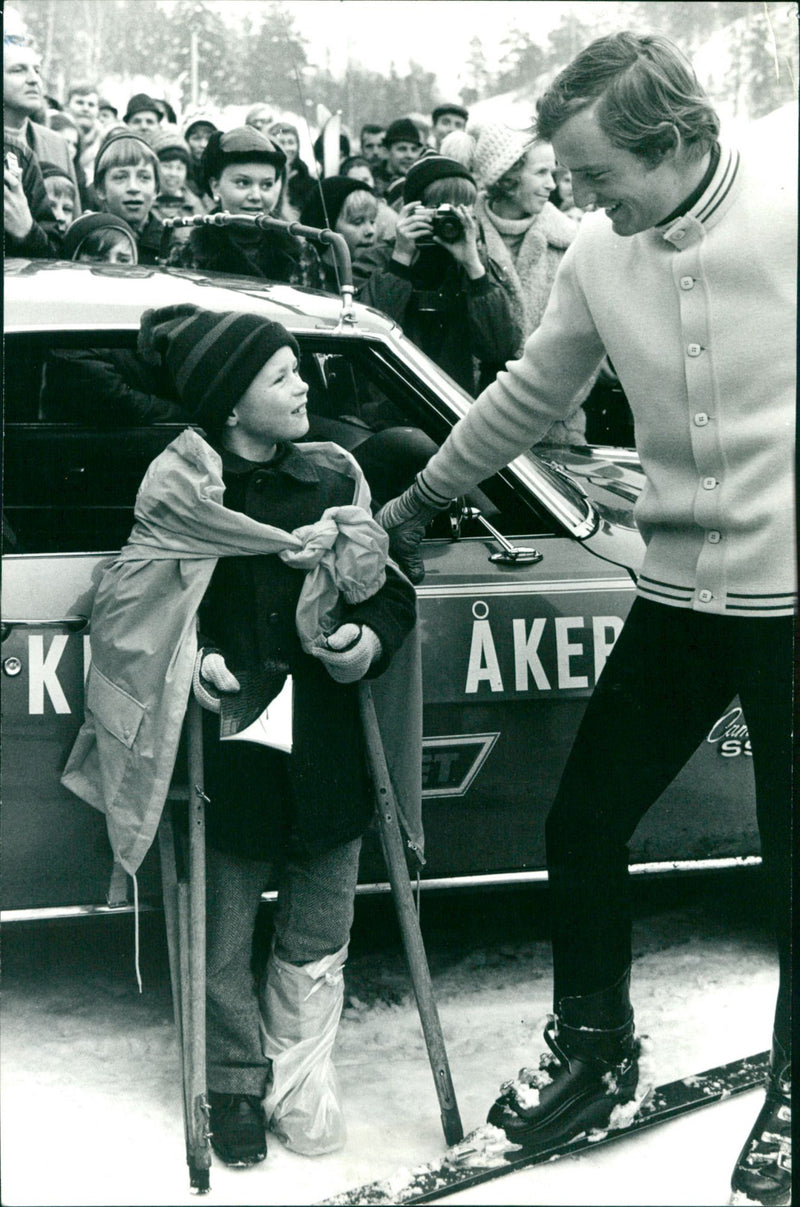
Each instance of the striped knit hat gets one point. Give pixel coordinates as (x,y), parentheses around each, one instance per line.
(211,357)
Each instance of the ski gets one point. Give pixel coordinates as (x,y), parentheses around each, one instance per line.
(486,1153)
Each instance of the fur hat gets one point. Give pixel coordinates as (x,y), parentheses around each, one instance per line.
(141,103)
(440,111)
(168,143)
(322,211)
(243,144)
(402,130)
(498,149)
(211,357)
(426,170)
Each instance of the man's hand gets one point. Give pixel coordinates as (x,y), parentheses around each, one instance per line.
(17,217)
(348,652)
(405,519)
(211,671)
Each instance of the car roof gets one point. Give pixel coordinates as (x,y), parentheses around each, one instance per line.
(59,295)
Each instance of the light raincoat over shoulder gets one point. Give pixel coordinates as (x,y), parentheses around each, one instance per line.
(144,642)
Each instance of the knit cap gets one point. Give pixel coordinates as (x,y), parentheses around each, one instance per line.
(211,357)
(84,226)
(52,169)
(402,130)
(116,134)
(499,147)
(140,102)
(168,143)
(104,103)
(426,170)
(461,146)
(334,191)
(243,144)
(198,118)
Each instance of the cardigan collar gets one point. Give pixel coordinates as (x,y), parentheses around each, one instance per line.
(709,207)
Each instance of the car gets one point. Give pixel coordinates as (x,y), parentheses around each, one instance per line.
(528,582)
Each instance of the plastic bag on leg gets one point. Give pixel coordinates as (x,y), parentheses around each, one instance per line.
(300,1011)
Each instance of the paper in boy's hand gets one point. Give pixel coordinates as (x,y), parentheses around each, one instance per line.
(244,716)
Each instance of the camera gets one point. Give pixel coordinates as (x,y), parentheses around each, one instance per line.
(447,224)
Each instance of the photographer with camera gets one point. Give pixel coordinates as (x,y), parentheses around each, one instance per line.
(437,282)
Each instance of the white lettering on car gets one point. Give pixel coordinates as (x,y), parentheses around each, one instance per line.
(566,649)
(541,648)
(483,662)
(42,674)
(526,655)
(603,645)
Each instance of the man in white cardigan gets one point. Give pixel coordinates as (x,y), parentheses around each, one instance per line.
(687,281)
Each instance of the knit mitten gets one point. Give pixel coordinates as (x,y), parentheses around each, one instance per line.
(348,652)
(209,673)
(405,519)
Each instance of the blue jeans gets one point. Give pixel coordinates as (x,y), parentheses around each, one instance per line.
(313,919)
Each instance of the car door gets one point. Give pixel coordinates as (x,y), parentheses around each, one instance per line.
(69,485)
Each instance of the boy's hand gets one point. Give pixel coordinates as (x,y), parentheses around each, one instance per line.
(413,223)
(348,652)
(211,669)
(465,250)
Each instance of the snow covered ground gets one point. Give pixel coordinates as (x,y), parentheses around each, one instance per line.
(90,1092)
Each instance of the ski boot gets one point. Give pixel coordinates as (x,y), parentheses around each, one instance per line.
(592,1067)
(238,1128)
(763,1172)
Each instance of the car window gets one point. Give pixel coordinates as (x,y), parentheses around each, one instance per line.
(363,397)
(85,415)
(81,428)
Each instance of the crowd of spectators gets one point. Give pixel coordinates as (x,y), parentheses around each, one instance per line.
(83,182)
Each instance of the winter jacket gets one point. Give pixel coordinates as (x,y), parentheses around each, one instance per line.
(144,638)
(698,316)
(453,319)
(49,147)
(149,241)
(272,255)
(318,797)
(528,277)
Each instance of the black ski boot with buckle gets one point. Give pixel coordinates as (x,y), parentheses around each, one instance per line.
(238,1128)
(763,1173)
(593,1068)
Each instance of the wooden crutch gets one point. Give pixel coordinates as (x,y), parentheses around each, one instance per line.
(392,843)
(183,879)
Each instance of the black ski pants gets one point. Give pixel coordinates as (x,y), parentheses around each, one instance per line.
(670,676)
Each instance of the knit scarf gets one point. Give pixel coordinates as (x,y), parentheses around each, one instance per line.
(529,251)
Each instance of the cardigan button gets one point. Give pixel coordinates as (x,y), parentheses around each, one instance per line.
(694,349)
(714,537)
(701,419)
(687,282)
(705,596)
(710,483)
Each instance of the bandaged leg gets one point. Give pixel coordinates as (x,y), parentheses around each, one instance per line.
(300,1007)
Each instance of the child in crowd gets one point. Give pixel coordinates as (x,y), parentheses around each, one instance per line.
(243,170)
(126,184)
(175,199)
(442,291)
(62,195)
(299,180)
(100,239)
(259,565)
(349,208)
